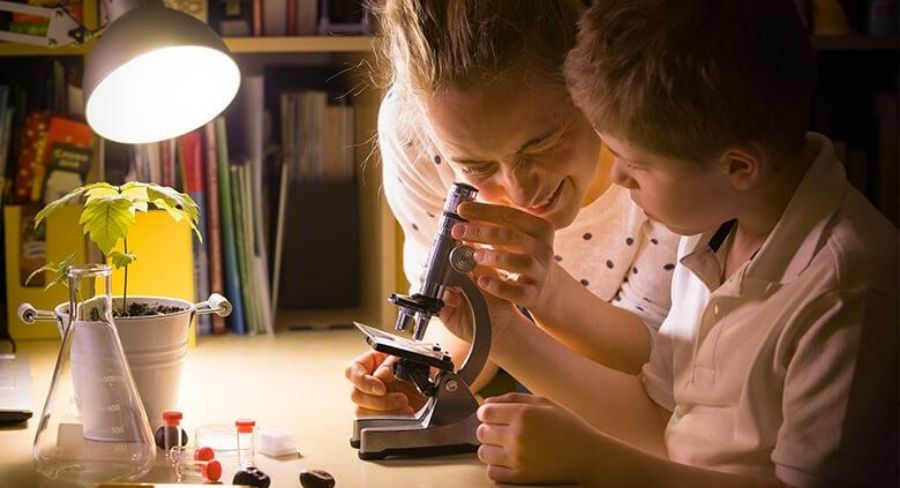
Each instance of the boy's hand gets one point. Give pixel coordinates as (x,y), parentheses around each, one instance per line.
(375,389)
(520,243)
(529,439)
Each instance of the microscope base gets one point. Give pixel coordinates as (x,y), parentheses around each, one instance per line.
(419,452)
(416,440)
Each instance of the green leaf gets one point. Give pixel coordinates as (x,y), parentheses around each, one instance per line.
(120,260)
(56,204)
(68,198)
(42,269)
(178,205)
(169,208)
(107,220)
(136,192)
(61,269)
(100,192)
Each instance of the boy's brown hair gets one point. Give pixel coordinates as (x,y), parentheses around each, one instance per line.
(688,79)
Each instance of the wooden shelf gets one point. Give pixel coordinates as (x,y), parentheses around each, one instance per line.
(9,50)
(311,44)
(856,43)
(238,45)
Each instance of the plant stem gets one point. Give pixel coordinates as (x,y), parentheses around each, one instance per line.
(125,288)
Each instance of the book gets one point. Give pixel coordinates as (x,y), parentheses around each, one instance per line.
(231,18)
(275,17)
(7,111)
(258,21)
(238,234)
(194,8)
(67,169)
(291,12)
(59,239)
(214,237)
(191,151)
(252,104)
(307,19)
(31,154)
(62,133)
(230,263)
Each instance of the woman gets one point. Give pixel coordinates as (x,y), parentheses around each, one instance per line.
(476,94)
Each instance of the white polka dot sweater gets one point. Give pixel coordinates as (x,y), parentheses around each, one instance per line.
(611,247)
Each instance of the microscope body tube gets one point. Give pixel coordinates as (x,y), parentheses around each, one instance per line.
(438,266)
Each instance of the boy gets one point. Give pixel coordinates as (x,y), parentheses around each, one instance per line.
(777,364)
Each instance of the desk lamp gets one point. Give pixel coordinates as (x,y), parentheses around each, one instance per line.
(154,74)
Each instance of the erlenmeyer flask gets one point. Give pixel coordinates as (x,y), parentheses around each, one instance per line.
(93,427)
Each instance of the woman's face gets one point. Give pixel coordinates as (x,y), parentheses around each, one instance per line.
(528,148)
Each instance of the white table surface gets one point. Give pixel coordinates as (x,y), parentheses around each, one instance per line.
(292,381)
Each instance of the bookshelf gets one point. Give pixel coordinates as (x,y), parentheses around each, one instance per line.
(378,238)
(237,45)
(856,105)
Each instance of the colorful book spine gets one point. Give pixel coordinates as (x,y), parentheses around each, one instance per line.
(30,155)
(214,239)
(191,151)
(240,239)
(232,275)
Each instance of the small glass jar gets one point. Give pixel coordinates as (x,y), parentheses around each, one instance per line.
(245,442)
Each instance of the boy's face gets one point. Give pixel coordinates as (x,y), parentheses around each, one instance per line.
(687,197)
(524,147)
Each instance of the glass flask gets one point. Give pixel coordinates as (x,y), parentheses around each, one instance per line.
(93,427)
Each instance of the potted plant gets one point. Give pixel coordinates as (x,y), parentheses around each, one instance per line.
(153,330)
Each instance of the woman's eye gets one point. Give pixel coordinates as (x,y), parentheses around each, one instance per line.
(476,170)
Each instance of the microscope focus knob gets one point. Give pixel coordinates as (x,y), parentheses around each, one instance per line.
(462,259)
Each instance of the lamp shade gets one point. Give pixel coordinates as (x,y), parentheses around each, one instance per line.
(157,73)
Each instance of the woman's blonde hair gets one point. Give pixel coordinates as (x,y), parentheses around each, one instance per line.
(429,45)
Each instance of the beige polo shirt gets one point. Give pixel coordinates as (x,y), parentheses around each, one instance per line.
(789,368)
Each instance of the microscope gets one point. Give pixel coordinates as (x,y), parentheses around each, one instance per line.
(447,422)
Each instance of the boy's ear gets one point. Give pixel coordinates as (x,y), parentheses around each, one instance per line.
(742,167)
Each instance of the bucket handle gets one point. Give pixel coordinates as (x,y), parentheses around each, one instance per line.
(28,314)
(216,304)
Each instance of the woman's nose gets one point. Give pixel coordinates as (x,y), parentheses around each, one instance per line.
(621,176)
(521,185)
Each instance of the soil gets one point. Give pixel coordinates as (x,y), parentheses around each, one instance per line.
(136,309)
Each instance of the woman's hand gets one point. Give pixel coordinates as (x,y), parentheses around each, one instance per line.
(375,389)
(457,318)
(529,439)
(521,244)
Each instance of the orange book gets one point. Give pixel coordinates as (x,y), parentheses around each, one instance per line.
(62,133)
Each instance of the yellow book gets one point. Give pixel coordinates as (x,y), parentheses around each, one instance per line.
(165,261)
(63,237)
(91,14)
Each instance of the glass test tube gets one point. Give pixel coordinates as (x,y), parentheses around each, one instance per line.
(172,433)
(208,470)
(198,454)
(245,442)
